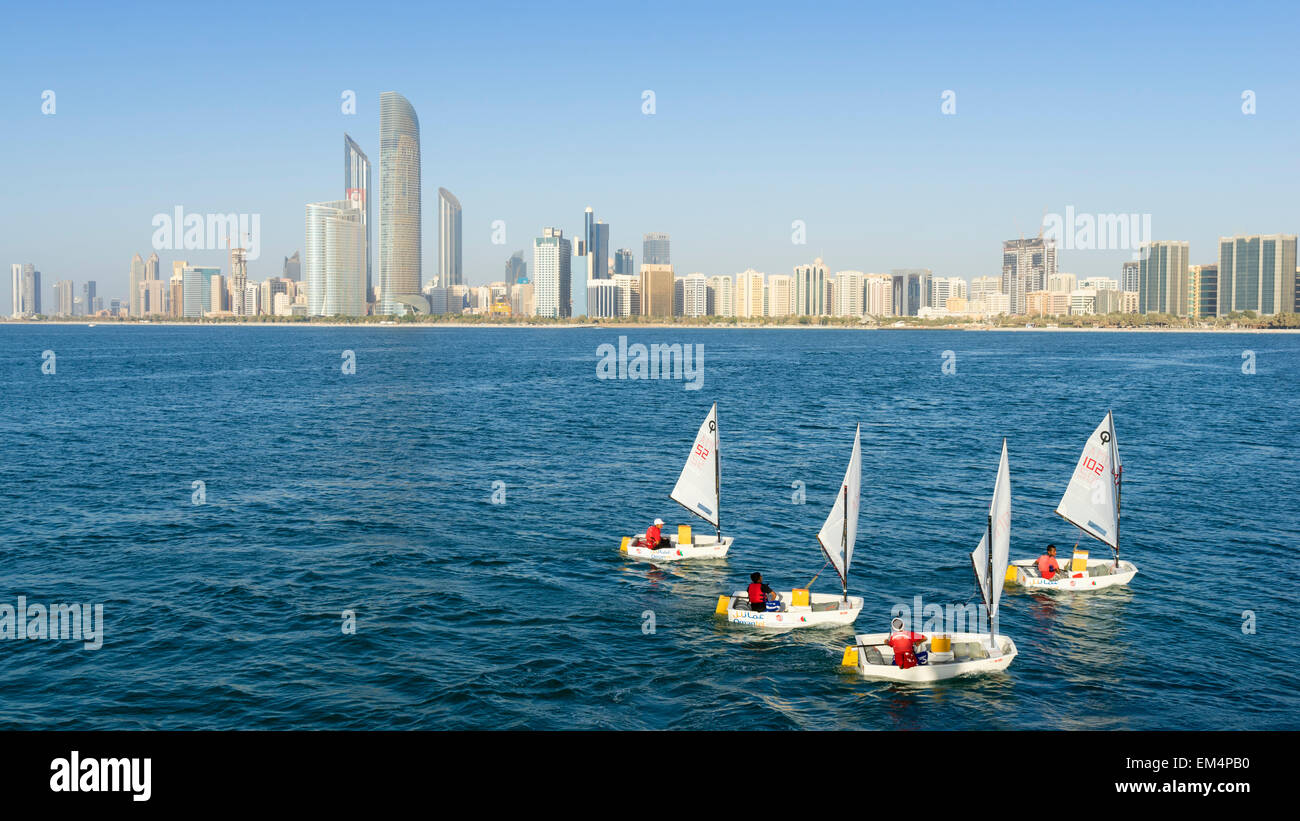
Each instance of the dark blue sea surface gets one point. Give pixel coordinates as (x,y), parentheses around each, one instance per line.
(372,492)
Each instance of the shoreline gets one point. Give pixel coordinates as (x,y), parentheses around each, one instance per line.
(640,326)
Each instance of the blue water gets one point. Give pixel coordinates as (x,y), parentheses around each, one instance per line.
(372,492)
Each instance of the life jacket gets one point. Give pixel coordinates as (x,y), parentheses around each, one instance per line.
(652,535)
(756,592)
(904,648)
(1047,567)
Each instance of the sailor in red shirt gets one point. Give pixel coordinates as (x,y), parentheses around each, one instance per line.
(904,644)
(1047,566)
(653,537)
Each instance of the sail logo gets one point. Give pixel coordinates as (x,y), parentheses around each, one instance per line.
(656,361)
(76,774)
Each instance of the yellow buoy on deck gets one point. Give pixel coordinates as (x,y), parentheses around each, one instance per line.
(941,644)
(800,598)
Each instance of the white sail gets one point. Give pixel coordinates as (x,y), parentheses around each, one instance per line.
(840,532)
(697,487)
(1091,502)
(991,579)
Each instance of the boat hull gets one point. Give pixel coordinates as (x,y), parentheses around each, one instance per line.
(1028,578)
(878,665)
(820,613)
(703,547)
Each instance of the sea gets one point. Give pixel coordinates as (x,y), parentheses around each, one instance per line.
(350,527)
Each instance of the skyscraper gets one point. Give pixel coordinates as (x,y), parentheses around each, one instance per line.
(88,296)
(657,290)
(136,277)
(516,269)
(449,240)
(63,297)
(552,255)
(197,290)
(810,289)
(1257,273)
(1027,265)
(655,250)
(623,262)
(293,267)
(356,188)
(597,241)
(399,206)
(238,279)
(31,296)
(911,290)
(1129,278)
(1162,278)
(17,309)
(334,259)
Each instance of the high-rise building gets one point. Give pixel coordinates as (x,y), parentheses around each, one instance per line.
(657,286)
(516,269)
(598,250)
(1130,276)
(911,290)
(31,297)
(810,289)
(656,250)
(133,285)
(399,206)
(1202,290)
(1062,283)
(88,295)
(749,293)
(1027,265)
(982,286)
(153,297)
(197,290)
(176,305)
(944,288)
(238,279)
(450,271)
(17,290)
(334,257)
(695,295)
(623,262)
(63,297)
(292,267)
(151,267)
(722,296)
(1162,278)
(849,291)
(356,189)
(552,274)
(1257,273)
(781,296)
(878,294)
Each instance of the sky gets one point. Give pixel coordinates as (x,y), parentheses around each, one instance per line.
(831,114)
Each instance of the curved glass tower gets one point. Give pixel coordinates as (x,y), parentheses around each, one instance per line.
(356,184)
(399,205)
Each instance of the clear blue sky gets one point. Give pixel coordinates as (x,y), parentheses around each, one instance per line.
(765,114)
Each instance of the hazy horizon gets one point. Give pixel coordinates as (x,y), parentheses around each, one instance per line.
(832,116)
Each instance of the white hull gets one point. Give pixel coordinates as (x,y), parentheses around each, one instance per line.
(826,610)
(1028,578)
(875,658)
(703,547)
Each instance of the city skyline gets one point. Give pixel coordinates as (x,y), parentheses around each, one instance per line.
(891,182)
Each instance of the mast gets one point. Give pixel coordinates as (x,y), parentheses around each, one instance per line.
(844,544)
(988,594)
(717,470)
(1119,481)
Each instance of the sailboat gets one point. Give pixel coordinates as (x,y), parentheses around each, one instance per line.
(953,654)
(1091,503)
(801,607)
(698,490)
